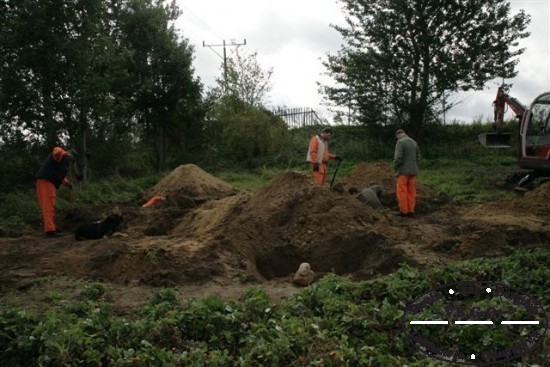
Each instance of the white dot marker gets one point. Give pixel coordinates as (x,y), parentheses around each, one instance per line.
(488,290)
(473,356)
(451,291)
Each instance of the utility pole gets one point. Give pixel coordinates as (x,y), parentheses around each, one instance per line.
(444,99)
(224,57)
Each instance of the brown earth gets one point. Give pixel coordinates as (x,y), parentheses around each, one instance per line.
(208,237)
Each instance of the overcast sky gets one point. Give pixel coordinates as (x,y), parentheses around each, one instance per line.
(294,36)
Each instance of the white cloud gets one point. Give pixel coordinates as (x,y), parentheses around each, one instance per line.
(533,68)
(294,36)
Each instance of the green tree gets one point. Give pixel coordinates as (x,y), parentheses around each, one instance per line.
(106,77)
(90,53)
(401,56)
(244,78)
(241,129)
(165,93)
(248,135)
(56,71)
(32,63)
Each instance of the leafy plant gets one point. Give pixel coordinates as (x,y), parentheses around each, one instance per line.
(333,322)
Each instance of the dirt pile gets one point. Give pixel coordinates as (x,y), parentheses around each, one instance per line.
(206,233)
(382,173)
(538,200)
(368,174)
(185,188)
(534,203)
(193,182)
(209,217)
(291,220)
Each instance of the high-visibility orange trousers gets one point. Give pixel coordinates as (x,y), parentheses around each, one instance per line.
(46,194)
(320,176)
(406,193)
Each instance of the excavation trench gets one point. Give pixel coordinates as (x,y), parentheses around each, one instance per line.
(356,253)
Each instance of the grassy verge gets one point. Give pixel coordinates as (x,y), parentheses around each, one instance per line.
(334,322)
(469,183)
(249,180)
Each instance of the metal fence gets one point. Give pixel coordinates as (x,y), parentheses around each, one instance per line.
(299,117)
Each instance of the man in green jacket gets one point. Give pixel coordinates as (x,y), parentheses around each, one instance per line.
(405,163)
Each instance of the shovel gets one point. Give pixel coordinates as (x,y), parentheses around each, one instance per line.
(335,172)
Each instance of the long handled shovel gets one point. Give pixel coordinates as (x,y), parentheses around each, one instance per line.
(335,172)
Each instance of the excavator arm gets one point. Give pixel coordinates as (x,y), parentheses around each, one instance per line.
(499,105)
(498,139)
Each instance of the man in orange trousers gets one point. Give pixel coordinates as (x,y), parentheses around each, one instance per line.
(405,162)
(318,155)
(52,174)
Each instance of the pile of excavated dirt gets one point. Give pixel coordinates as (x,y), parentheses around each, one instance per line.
(185,188)
(382,173)
(206,236)
(534,203)
(192,182)
(210,216)
(289,221)
(538,200)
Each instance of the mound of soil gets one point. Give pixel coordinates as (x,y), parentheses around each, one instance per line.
(210,216)
(382,173)
(185,188)
(206,236)
(538,199)
(190,181)
(291,220)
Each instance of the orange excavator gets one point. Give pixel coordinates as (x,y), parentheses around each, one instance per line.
(534,131)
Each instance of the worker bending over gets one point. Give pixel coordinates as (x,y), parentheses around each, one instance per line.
(49,177)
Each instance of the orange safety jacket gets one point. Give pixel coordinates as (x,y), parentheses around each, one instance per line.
(318,153)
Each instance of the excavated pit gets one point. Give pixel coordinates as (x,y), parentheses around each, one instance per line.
(350,253)
(207,235)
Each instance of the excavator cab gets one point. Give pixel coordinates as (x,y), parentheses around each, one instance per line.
(535,136)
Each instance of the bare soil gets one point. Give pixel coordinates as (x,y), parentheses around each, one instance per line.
(209,238)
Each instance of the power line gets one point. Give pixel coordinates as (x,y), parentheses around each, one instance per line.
(224,57)
(205,25)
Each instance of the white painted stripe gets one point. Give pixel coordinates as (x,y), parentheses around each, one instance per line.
(527,322)
(473,322)
(417,322)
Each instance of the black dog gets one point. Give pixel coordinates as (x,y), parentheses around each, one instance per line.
(96,230)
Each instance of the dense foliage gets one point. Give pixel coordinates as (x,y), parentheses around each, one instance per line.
(401,57)
(115,80)
(109,78)
(244,135)
(334,322)
(244,79)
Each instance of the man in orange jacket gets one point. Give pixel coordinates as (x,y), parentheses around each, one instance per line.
(52,174)
(318,155)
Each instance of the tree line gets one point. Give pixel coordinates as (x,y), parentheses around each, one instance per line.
(98,76)
(114,79)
